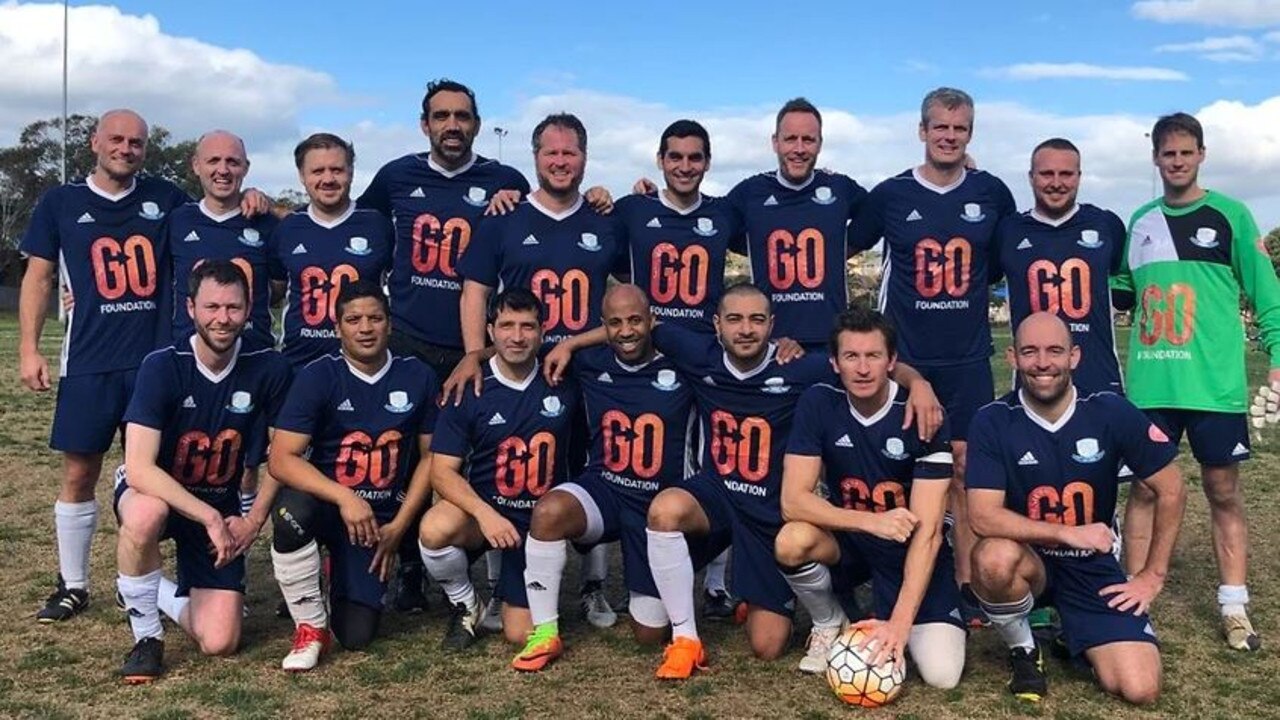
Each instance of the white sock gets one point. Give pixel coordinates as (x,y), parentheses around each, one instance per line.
(140,593)
(673,574)
(812,586)
(75,523)
(595,564)
(448,566)
(246,502)
(713,580)
(169,602)
(493,567)
(543,568)
(1232,599)
(298,573)
(1012,621)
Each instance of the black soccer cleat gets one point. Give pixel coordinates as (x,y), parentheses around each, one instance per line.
(463,623)
(717,605)
(144,663)
(409,597)
(1027,681)
(63,604)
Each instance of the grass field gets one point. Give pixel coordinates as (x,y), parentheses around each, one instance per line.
(69,670)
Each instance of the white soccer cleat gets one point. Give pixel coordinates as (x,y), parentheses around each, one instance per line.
(309,643)
(596,608)
(491,621)
(817,648)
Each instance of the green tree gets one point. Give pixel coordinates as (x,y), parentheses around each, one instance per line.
(1272,243)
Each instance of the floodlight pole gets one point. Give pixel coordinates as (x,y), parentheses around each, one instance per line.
(501,133)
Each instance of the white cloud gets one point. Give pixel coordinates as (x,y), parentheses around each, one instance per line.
(1233,48)
(118,59)
(1086,71)
(1230,13)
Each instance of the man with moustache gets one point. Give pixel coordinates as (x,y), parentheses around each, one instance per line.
(1042,485)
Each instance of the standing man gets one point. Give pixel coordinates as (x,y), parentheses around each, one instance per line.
(1057,256)
(196,424)
(796,222)
(105,234)
(938,222)
(1189,256)
(1042,484)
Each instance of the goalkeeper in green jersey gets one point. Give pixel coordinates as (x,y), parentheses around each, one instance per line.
(1188,256)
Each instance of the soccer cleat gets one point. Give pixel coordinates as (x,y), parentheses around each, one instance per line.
(491,620)
(681,658)
(595,606)
(817,648)
(63,604)
(409,597)
(309,643)
(717,605)
(144,663)
(463,622)
(1240,633)
(543,647)
(1027,681)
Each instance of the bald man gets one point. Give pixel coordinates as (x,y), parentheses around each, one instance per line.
(1042,482)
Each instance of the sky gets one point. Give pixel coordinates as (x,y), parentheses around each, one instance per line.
(1096,71)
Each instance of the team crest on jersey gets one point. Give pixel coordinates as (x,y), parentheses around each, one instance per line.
(476,197)
(823,195)
(775,386)
(1089,239)
(1205,238)
(1087,451)
(705,227)
(551,407)
(398,402)
(358,246)
(150,211)
(589,242)
(973,213)
(241,402)
(250,237)
(666,381)
(894,449)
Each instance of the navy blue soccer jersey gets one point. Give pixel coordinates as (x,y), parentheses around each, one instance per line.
(1063,472)
(110,253)
(678,255)
(364,428)
(212,425)
(564,258)
(796,243)
(938,250)
(745,418)
(194,235)
(1063,267)
(316,259)
(514,436)
(639,416)
(435,212)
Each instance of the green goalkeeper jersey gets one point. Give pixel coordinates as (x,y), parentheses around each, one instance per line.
(1187,267)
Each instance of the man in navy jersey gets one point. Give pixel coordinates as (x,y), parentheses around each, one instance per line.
(511,441)
(197,421)
(322,247)
(796,222)
(1042,487)
(105,233)
(886,493)
(352,448)
(938,223)
(639,410)
(1057,257)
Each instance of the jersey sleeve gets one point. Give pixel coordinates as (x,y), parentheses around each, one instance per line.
(515,180)
(377,196)
(303,406)
(177,197)
(1116,229)
(1122,281)
(622,255)
(857,198)
(1005,204)
(482,260)
(41,238)
(736,201)
(153,393)
(985,470)
(868,227)
(451,436)
(277,389)
(934,460)
(807,425)
(1143,445)
(431,415)
(275,256)
(689,350)
(995,269)
(1257,276)
(388,248)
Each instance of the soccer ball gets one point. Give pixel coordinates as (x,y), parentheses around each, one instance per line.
(856,682)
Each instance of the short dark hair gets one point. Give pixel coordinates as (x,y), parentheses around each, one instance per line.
(743,288)
(222,272)
(1055,143)
(564,121)
(446,85)
(516,299)
(1178,122)
(323,141)
(797,105)
(359,289)
(683,129)
(859,317)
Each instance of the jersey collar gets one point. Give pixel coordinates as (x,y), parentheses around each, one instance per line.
(1048,426)
(113,197)
(740,375)
(331,224)
(370,379)
(554,215)
(878,415)
(636,368)
(777,175)
(1060,221)
(210,375)
(520,386)
(431,163)
(662,198)
(940,189)
(216,217)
